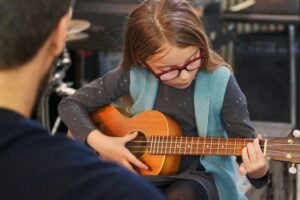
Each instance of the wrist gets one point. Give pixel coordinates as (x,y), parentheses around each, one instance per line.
(93,139)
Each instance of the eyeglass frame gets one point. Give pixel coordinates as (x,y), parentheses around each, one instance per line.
(202,55)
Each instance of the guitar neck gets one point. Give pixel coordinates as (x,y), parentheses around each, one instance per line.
(173,145)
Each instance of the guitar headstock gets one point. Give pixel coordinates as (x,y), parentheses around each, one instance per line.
(284,149)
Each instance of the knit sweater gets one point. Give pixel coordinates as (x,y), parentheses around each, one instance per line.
(208,99)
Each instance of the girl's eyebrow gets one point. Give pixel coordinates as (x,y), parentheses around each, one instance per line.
(186,61)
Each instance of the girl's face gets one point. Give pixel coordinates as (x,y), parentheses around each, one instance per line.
(174,66)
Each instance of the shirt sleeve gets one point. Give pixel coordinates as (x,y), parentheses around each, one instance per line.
(236,120)
(75,109)
(234,114)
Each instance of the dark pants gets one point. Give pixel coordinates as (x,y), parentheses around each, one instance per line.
(190,185)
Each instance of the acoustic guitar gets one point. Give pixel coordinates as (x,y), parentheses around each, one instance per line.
(159,143)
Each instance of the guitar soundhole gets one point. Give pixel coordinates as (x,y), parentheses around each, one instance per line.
(138,146)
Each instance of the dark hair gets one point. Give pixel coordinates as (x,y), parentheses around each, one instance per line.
(156,21)
(25,26)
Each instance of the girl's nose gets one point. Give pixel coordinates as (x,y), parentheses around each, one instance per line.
(184,75)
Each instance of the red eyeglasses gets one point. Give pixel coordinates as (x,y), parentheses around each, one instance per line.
(174,71)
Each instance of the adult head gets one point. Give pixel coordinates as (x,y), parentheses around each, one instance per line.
(32,35)
(25,26)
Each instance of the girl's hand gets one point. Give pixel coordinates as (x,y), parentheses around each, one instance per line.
(113,149)
(254,164)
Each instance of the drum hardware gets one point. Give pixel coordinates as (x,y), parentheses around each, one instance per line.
(76,28)
(60,87)
(242,6)
(56,84)
(77,36)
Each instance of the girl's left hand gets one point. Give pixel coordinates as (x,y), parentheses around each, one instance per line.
(254,164)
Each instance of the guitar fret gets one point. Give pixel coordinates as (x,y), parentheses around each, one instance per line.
(163,147)
(185,147)
(167,143)
(160,144)
(218,146)
(203,147)
(175,145)
(180,148)
(234,150)
(152,145)
(149,142)
(170,147)
(192,146)
(188,144)
(210,145)
(197,141)
(226,146)
(155,145)
(170,141)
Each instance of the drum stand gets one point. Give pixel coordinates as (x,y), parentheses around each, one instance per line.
(58,86)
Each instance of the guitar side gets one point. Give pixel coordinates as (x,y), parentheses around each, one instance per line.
(148,123)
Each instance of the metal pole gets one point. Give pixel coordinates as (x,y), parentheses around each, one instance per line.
(293,89)
(292,50)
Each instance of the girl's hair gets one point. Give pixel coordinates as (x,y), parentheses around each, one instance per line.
(154,22)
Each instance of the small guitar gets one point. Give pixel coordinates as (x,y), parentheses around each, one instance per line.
(159,143)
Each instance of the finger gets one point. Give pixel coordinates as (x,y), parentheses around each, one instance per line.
(130,136)
(259,136)
(128,166)
(251,152)
(136,162)
(258,150)
(245,157)
(243,169)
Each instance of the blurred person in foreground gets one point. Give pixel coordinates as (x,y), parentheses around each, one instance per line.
(33,164)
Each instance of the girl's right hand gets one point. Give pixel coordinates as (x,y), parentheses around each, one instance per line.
(113,149)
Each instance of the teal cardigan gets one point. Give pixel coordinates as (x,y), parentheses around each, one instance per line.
(208,100)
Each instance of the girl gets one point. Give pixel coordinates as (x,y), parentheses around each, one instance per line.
(167,65)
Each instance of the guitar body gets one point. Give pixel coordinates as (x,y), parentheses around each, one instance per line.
(149,123)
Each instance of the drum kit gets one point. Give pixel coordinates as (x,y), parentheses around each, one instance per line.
(56,84)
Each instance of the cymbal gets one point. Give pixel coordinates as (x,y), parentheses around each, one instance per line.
(76,36)
(78,25)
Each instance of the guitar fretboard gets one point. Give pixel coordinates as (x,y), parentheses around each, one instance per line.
(172,145)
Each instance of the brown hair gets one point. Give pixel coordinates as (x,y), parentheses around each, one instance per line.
(156,21)
(26,26)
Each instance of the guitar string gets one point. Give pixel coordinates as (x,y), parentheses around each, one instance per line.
(167,148)
(206,144)
(270,153)
(140,147)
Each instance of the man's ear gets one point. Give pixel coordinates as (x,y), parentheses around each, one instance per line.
(60,34)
